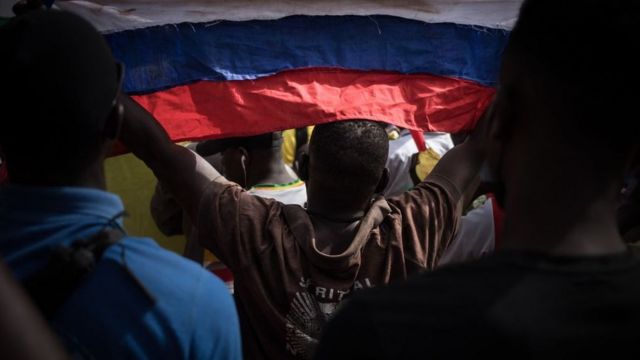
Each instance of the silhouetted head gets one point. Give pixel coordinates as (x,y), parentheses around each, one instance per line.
(60,100)
(564,119)
(346,165)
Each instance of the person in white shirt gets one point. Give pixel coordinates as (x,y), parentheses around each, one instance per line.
(476,234)
(399,161)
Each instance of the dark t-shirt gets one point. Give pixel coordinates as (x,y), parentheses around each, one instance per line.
(286,288)
(4,176)
(509,305)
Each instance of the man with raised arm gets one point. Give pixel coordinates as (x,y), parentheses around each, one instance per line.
(293,266)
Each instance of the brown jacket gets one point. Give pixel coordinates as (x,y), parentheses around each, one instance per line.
(286,289)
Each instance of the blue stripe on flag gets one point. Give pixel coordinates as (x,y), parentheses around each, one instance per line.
(160,57)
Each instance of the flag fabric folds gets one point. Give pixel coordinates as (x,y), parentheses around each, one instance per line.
(296,98)
(252,67)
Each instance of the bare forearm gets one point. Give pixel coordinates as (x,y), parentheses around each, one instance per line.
(141,133)
(461,165)
(184,173)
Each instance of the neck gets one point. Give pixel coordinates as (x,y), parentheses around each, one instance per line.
(333,208)
(94,179)
(346,218)
(561,225)
(91,178)
(268,170)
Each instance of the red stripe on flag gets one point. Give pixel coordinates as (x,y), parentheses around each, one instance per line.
(298,98)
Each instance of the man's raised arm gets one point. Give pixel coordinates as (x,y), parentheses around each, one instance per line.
(461,165)
(184,173)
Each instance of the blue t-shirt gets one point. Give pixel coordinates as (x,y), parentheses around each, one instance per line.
(192,315)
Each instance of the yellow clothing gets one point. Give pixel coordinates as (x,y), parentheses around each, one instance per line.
(133,181)
(427,160)
(289,144)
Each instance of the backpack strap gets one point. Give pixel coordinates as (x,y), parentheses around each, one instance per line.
(68,267)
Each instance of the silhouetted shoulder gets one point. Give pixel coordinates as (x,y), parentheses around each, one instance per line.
(510,304)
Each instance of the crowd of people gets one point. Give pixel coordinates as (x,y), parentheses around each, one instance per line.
(341,241)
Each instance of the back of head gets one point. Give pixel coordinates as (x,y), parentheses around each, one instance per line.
(243,157)
(568,70)
(347,160)
(60,86)
(264,142)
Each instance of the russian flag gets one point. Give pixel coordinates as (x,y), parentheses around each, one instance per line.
(209,69)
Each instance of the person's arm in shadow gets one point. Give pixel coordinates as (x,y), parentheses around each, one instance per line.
(432,209)
(166,212)
(183,172)
(461,165)
(213,204)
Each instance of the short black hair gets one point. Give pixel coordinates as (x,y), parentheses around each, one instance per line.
(60,82)
(266,141)
(352,154)
(577,59)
